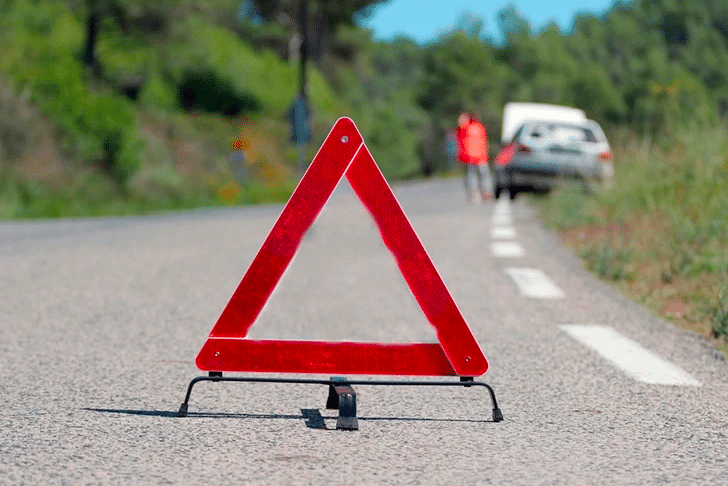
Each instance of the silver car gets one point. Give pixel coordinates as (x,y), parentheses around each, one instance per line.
(543,152)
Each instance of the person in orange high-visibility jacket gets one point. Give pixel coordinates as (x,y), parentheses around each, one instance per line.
(473,154)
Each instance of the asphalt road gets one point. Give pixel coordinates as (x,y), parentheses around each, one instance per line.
(102,320)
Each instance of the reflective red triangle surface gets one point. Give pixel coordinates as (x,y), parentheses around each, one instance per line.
(343,153)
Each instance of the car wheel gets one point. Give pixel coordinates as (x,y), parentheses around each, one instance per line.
(512,193)
(498,190)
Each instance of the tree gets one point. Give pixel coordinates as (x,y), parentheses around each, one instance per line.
(333,12)
(512,23)
(324,16)
(140,15)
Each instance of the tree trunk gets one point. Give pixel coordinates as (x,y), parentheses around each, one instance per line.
(91,38)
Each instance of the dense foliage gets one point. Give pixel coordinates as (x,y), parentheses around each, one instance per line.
(647,64)
(107,73)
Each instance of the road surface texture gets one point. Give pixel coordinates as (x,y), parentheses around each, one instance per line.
(102,320)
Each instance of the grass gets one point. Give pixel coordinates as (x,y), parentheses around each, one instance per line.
(718,312)
(659,233)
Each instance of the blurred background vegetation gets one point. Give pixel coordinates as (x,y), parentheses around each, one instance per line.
(127,106)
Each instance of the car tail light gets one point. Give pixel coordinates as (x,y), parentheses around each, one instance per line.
(523,149)
(605,156)
(505,155)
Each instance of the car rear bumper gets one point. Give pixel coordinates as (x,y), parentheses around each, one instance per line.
(541,175)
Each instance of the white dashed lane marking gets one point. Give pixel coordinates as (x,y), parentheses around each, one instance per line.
(502,233)
(501,219)
(507,249)
(627,355)
(636,361)
(502,205)
(533,283)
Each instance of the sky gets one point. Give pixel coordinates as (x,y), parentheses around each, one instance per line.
(424,20)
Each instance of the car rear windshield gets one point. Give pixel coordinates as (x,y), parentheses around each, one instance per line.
(561,133)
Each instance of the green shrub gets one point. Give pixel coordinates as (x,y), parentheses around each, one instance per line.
(158,93)
(123,56)
(392,142)
(19,129)
(568,206)
(608,262)
(44,56)
(206,90)
(262,78)
(718,311)
(100,127)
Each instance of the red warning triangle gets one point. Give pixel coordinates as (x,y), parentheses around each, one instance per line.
(342,153)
